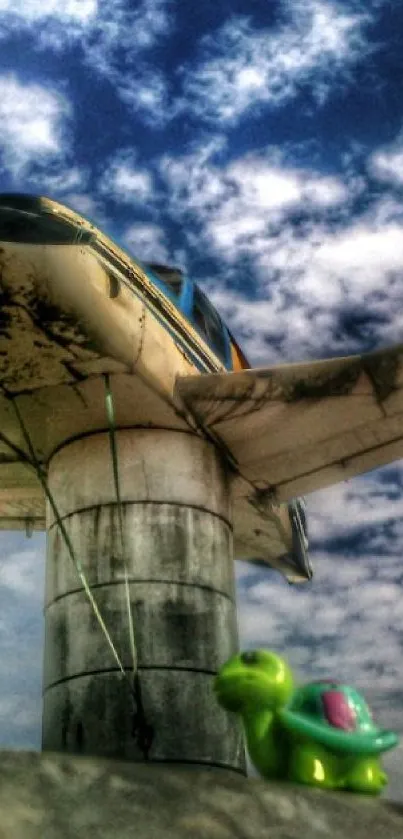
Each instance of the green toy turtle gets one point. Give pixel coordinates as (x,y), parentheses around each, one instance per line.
(321,734)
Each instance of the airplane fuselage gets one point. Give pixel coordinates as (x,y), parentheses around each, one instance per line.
(75,307)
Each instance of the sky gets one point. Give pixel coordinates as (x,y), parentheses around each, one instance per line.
(259,146)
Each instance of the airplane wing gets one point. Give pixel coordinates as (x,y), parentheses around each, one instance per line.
(277,537)
(296,428)
(20,509)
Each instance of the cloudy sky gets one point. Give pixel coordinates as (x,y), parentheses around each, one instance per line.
(259,145)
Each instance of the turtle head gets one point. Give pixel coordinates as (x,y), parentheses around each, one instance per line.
(254,680)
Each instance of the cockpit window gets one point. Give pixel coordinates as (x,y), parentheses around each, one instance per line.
(172,277)
(22,219)
(208,323)
(20,201)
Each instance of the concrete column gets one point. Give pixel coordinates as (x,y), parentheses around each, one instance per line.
(176,513)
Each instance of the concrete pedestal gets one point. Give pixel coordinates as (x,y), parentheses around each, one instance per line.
(177,526)
(66,797)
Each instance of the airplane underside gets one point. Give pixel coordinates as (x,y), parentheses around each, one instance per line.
(72,313)
(64,324)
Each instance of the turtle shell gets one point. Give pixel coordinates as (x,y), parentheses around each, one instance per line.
(338,717)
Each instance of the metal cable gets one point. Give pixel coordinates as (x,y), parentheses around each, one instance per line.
(76,562)
(112,439)
(141,729)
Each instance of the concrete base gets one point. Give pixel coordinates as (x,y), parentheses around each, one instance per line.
(176,511)
(51,796)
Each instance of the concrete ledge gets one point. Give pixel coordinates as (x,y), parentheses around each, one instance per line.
(52,796)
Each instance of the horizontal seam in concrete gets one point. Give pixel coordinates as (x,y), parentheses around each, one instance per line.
(141,580)
(140,427)
(142,667)
(144,501)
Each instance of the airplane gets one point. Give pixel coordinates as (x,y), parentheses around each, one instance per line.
(75,306)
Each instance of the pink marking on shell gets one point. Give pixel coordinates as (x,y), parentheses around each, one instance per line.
(337,710)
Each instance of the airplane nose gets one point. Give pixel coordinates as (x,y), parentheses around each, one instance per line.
(23,219)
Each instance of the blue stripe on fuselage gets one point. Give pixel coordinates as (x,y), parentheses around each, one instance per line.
(167,292)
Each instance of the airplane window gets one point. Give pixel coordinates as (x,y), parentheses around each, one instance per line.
(38,228)
(209,323)
(198,314)
(171,276)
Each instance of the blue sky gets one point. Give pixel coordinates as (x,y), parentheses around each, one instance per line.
(259,145)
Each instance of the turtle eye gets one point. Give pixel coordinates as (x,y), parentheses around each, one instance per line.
(249,658)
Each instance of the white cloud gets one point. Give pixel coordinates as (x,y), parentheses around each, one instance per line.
(243,67)
(194,183)
(21,639)
(124,181)
(387,209)
(326,192)
(114,38)
(41,10)
(33,123)
(102,28)
(146,93)
(387,164)
(263,186)
(362,250)
(317,269)
(347,623)
(63,180)
(248,194)
(259,195)
(147,242)
(323,628)
(18,574)
(352,506)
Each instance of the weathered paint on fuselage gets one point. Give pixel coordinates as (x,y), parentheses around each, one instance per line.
(154,293)
(69,314)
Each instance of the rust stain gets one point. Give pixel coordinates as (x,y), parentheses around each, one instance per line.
(383,370)
(34,332)
(58,326)
(263,499)
(323,384)
(142,323)
(5,313)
